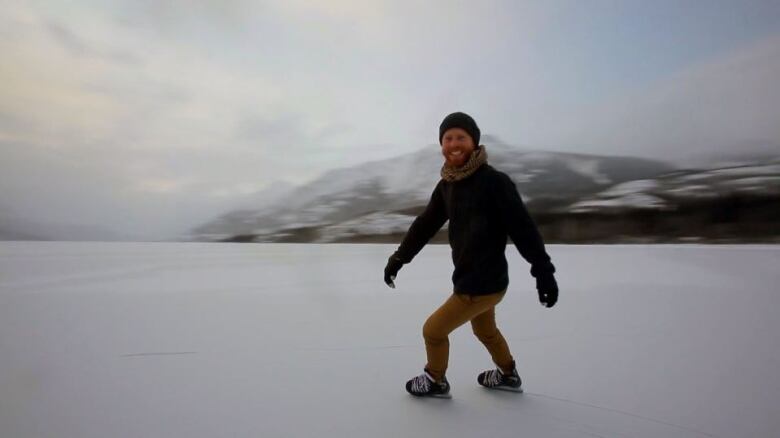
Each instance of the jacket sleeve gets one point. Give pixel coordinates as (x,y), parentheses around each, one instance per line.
(424,227)
(520,227)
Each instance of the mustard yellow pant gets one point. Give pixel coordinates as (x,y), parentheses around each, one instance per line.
(456,311)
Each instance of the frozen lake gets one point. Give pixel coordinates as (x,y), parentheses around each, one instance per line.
(250,340)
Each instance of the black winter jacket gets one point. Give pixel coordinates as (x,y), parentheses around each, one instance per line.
(483,209)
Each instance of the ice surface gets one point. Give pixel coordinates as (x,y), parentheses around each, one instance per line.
(260,340)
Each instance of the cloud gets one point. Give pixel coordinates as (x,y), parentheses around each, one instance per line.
(136,140)
(170,17)
(716,106)
(158,107)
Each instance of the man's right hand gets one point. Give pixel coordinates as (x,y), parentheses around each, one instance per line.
(548,289)
(391,270)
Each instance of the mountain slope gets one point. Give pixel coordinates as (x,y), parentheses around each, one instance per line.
(363,195)
(671,190)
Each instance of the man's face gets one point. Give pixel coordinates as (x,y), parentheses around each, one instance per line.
(457,146)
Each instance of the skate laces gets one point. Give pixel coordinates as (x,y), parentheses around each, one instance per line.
(421,383)
(493,377)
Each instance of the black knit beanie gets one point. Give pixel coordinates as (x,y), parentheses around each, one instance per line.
(462,121)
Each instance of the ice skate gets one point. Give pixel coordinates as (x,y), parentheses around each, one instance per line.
(425,386)
(496,379)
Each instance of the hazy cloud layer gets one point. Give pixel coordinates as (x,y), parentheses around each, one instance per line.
(149,117)
(726,105)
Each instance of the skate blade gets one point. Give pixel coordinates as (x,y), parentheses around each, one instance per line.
(505,389)
(442,396)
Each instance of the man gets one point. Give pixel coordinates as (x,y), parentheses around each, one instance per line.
(483,207)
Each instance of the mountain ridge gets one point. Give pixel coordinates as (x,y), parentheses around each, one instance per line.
(402,184)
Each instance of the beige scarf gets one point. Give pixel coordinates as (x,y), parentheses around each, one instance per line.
(477,159)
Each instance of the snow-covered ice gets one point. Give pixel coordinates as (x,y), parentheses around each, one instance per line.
(249,340)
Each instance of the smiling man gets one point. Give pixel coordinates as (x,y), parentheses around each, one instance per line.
(483,207)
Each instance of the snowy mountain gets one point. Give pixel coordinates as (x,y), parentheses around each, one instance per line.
(669,191)
(384,196)
(271,194)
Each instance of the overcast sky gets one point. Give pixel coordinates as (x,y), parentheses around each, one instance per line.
(148,117)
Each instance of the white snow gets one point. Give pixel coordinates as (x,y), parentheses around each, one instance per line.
(768,184)
(578,164)
(260,340)
(696,177)
(372,224)
(537,156)
(769,170)
(629,200)
(630,187)
(416,174)
(692,191)
(588,168)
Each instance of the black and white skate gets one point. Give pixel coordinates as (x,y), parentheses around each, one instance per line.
(496,379)
(425,386)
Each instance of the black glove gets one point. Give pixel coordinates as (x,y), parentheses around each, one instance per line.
(391,270)
(548,289)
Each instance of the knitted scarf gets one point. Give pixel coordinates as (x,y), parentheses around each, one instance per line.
(477,159)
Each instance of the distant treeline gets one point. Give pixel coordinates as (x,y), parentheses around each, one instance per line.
(727,219)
